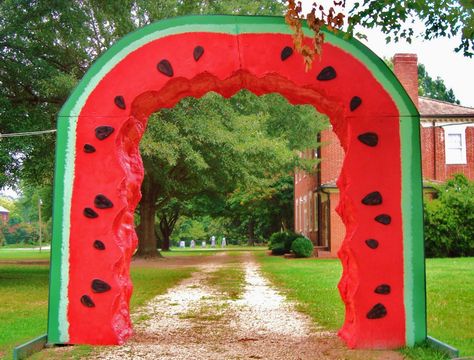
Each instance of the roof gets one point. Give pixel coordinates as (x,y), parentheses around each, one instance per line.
(3,210)
(431,108)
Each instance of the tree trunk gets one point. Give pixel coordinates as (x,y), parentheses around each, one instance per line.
(251,233)
(147,242)
(166,242)
(167,223)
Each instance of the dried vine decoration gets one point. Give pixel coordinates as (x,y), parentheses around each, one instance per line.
(316,19)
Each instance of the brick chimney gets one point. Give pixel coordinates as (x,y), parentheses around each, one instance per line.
(405,67)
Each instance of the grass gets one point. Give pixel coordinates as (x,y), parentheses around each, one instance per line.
(450,292)
(21,245)
(15,254)
(24,294)
(204,314)
(23,310)
(312,284)
(229,280)
(150,282)
(450,289)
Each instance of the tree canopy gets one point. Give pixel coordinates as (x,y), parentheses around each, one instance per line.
(46,46)
(396,19)
(429,87)
(434,88)
(202,151)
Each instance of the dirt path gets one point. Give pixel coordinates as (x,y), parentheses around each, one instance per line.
(197,320)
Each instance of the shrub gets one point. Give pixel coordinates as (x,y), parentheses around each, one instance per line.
(282,240)
(20,233)
(449,220)
(302,247)
(278,249)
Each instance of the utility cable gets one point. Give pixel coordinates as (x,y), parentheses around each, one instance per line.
(28,133)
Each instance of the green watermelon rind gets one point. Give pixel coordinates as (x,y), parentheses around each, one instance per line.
(414,281)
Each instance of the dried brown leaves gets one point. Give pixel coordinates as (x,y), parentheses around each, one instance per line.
(316,19)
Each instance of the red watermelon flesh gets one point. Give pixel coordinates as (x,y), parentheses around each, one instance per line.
(158,75)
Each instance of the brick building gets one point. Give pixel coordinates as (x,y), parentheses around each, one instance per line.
(4,215)
(447,146)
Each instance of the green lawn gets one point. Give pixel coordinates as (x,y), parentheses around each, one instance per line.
(23,310)
(15,254)
(450,293)
(24,293)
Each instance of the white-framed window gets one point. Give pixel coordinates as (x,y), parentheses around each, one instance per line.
(455,144)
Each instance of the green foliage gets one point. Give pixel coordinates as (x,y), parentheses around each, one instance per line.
(230,158)
(282,240)
(23,224)
(441,18)
(449,219)
(302,247)
(22,233)
(278,249)
(47,46)
(434,88)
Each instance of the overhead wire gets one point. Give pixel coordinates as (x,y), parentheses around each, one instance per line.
(28,133)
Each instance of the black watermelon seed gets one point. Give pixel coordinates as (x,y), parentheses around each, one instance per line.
(103,132)
(371,243)
(88,148)
(99,286)
(102,202)
(383,219)
(369,139)
(120,102)
(88,212)
(383,289)
(377,312)
(197,53)
(355,103)
(99,245)
(87,301)
(286,53)
(374,198)
(328,73)
(165,68)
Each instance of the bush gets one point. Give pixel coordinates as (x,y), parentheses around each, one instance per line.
(278,249)
(22,233)
(302,247)
(282,240)
(449,220)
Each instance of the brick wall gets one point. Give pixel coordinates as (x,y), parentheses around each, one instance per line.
(305,185)
(434,159)
(338,229)
(332,156)
(4,217)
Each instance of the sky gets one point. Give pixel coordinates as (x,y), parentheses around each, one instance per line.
(437,55)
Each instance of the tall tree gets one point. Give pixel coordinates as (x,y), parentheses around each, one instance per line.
(212,146)
(46,46)
(434,88)
(429,87)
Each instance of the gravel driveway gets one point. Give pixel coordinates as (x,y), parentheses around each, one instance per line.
(195,320)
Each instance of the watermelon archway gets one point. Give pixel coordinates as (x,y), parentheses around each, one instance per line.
(99,170)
